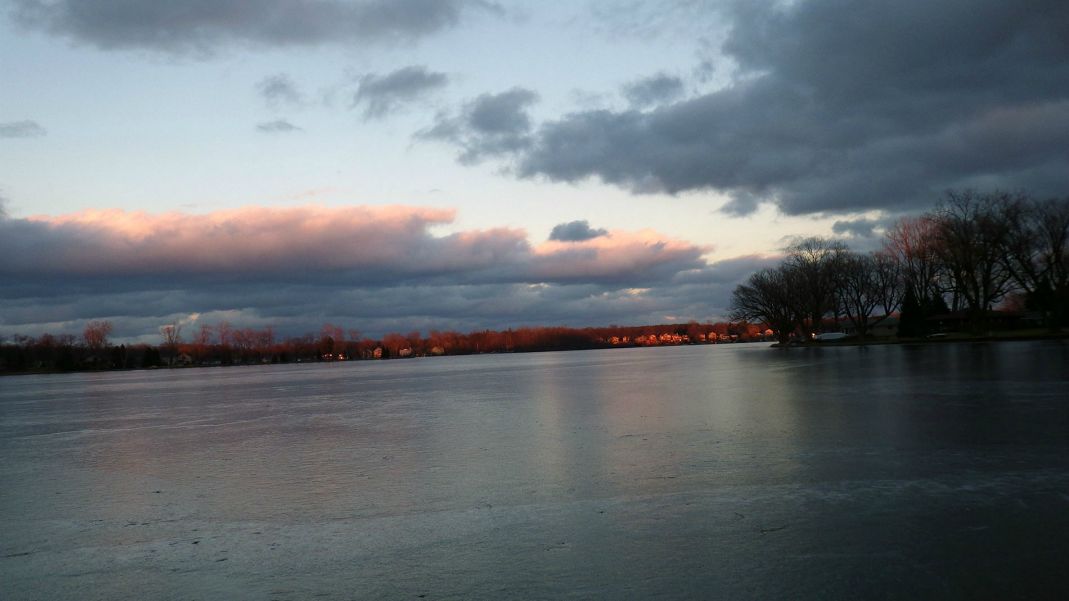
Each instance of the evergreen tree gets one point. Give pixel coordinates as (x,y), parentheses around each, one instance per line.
(911,320)
(936,305)
(151,358)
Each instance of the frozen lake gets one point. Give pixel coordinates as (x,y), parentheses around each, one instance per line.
(734,471)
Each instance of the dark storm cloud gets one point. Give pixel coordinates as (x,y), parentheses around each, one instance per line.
(381,95)
(279,91)
(373,268)
(861,228)
(653,90)
(21,129)
(575,231)
(489,125)
(299,309)
(840,106)
(203,26)
(726,272)
(278,126)
(294,309)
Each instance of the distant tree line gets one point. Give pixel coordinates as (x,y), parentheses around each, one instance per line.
(225,344)
(972,252)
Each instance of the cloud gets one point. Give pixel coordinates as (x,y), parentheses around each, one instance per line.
(575,231)
(381,95)
(840,107)
(653,90)
(489,125)
(858,228)
(203,27)
(361,245)
(278,91)
(375,268)
(645,19)
(278,126)
(21,129)
(625,258)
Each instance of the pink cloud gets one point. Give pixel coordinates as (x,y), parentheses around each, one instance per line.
(616,254)
(254,239)
(380,243)
(375,268)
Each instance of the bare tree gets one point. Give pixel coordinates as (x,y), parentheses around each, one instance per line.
(972,238)
(767,297)
(889,285)
(912,243)
(1054,221)
(266,339)
(331,339)
(96,335)
(172,335)
(393,343)
(226,333)
(867,283)
(1037,252)
(814,264)
(204,335)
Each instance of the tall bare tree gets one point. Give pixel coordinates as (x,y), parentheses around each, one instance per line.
(972,237)
(767,297)
(867,283)
(814,264)
(171,334)
(204,335)
(96,337)
(912,243)
(1037,252)
(226,333)
(331,339)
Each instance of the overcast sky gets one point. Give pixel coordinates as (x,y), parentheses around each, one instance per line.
(438,164)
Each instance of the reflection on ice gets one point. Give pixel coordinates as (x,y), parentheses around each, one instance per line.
(733,471)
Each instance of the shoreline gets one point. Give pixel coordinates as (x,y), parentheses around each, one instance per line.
(953,337)
(348,361)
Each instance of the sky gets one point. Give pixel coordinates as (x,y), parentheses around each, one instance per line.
(399,165)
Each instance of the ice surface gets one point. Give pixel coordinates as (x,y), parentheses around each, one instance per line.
(732,471)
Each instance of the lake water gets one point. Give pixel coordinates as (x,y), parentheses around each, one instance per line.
(733,471)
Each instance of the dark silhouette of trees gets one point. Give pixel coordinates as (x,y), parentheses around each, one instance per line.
(972,238)
(976,248)
(864,284)
(150,357)
(171,334)
(809,287)
(95,336)
(814,266)
(1037,254)
(255,346)
(974,251)
(119,357)
(911,242)
(911,321)
(331,340)
(768,296)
